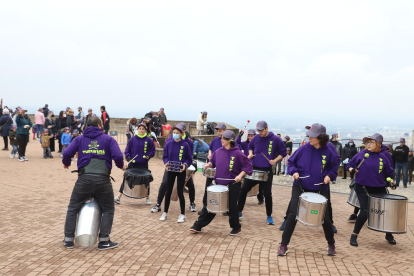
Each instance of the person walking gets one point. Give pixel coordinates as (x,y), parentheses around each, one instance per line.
(201,122)
(5,124)
(23,126)
(105,119)
(348,152)
(400,157)
(410,165)
(39,122)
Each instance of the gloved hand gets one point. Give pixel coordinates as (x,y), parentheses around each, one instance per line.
(241,133)
(128,159)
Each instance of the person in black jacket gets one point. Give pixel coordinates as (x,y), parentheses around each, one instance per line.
(400,158)
(288,142)
(105,119)
(348,152)
(410,165)
(338,146)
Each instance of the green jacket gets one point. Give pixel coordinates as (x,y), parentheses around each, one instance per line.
(21,122)
(13,135)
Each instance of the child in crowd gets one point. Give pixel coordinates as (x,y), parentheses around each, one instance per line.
(66,139)
(13,142)
(285,161)
(45,142)
(34,131)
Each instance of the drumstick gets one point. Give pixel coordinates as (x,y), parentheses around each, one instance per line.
(224,179)
(265,157)
(319,183)
(365,157)
(248,121)
(132,159)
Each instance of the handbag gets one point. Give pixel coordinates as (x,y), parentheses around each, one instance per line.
(1,127)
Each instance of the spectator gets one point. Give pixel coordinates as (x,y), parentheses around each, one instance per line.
(348,152)
(288,143)
(338,146)
(201,123)
(13,142)
(90,114)
(361,147)
(65,140)
(131,128)
(163,117)
(200,150)
(39,122)
(148,123)
(80,117)
(50,124)
(400,158)
(278,166)
(105,119)
(410,165)
(23,127)
(34,131)
(72,121)
(5,125)
(149,114)
(46,110)
(45,143)
(389,149)
(156,122)
(285,161)
(61,124)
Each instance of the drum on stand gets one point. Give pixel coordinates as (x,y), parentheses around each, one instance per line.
(87,225)
(387,213)
(217,199)
(258,176)
(353,199)
(311,209)
(136,182)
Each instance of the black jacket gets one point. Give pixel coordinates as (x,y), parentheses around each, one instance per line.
(52,123)
(349,151)
(410,162)
(289,144)
(400,154)
(107,121)
(338,147)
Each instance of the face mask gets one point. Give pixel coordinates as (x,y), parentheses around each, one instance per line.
(176,136)
(402,144)
(64,115)
(351,144)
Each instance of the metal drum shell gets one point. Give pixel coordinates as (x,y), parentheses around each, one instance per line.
(139,191)
(209,172)
(88,223)
(217,202)
(254,190)
(258,176)
(305,208)
(387,213)
(353,199)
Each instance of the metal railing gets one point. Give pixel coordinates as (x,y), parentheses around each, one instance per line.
(118,133)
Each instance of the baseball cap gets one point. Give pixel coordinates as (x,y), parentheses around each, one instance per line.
(80,107)
(315,130)
(228,134)
(66,128)
(377,137)
(251,131)
(287,137)
(142,124)
(179,126)
(402,140)
(76,131)
(334,135)
(221,126)
(261,125)
(350,141)
(90,109)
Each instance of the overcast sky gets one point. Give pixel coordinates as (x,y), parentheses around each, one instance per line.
(290,61)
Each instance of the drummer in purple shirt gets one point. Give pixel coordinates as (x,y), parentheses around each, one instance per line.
(265,150)
(370,178)
(313,165)
(230,163)
(138,151)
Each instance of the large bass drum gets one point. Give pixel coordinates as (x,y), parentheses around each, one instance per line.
(311,209)
(387,213)
(136,182)
(353,199)
(87,226)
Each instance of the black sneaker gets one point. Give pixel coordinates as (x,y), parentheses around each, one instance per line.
(352,218)
(68,244)
(260,203)
(226,214)
(104,245)
(282,227)
(390,238)
(195,229)
(235,232)
(334,229)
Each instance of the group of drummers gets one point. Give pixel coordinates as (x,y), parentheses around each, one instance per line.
(238,167)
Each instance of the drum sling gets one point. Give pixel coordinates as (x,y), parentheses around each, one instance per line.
(140,176)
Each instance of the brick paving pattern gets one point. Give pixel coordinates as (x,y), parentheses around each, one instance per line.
(33,208)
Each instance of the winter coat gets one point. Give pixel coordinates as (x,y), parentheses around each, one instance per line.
(5,124)
(338,147)
(349,151)
(12,136)
(400,154)
(105,120)
(21,122)
(39,118)
(201,122)
(51,122)
(163,118)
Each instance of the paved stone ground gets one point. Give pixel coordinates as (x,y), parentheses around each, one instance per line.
(35,195)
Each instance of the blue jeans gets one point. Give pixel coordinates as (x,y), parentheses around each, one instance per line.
(14,149)
(39,130)
(285,169)
(398,168)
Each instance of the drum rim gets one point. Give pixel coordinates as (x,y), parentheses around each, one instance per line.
(403,198)
(227,188)
(382,231)
(326,200)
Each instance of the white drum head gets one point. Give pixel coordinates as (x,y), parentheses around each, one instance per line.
(217,188)
(191,168)
(313,197)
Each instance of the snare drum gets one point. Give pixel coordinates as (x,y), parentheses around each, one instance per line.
(174,166)
(387,213)
(254,190)
(209,172)
(353,199)
(258,176)
(136,182)
(311,209)
(217,199)
(87,226)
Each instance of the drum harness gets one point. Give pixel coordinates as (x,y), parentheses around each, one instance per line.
(97,167)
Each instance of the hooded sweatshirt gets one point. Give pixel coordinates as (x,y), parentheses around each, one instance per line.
(315,163)
(177,151)
(142,147)
(94,144)
(185,138)
(271,146)
(244,145)
(375,169)
(215,144)
(229,163)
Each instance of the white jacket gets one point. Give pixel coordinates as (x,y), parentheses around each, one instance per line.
(201,122)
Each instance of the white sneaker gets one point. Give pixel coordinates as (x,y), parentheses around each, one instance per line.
(181,218)
(117,200)
(25,159)
(193,207)
(284,175)
(148,201)
(156,209)
(16,155)
(61,156)
(21,159)
(11,156)
(163,216)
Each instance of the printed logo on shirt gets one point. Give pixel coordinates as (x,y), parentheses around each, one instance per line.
(145,148)
(231,164)
(94,148)
(381,165)
(269,150)
(181,153)
(323,162)
(314,212)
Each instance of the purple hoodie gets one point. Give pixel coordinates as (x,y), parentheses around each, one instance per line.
(94,144)
(142,147)
(375,169)
(229,164)
(177,151)
(271,146)
(215,144)
(189,142)
(315,163)
(244,145)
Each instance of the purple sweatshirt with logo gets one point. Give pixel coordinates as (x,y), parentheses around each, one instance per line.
(142,147)
(215,144)
(375,169)
(229,164)
(315,163)
(271,146)
(189,142)
(243,145)
(94,144)
(178,151)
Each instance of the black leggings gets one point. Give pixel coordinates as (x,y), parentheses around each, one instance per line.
(6,141)
(363,203)
(171,176)
(22,140)
(163,189)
